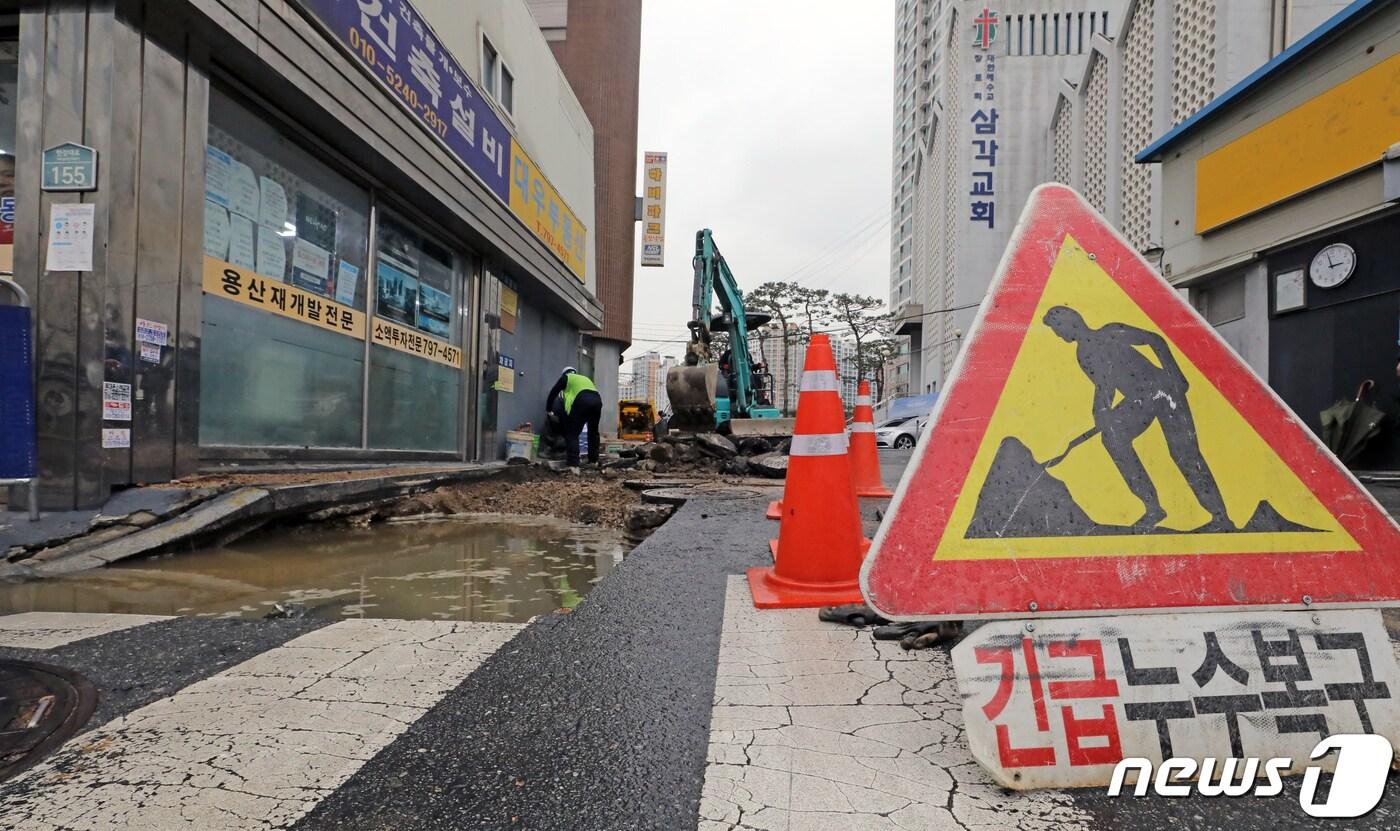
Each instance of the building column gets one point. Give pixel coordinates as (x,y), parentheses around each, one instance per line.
(607,358)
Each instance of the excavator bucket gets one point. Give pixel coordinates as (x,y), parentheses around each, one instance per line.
(691,390)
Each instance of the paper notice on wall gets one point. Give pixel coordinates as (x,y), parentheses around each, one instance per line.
(505,377)
(149,331)
(218,172)
(116,401)
(150,353)
(116,437)
(272,254)
(510,306)
(244,198)
(215,230)
(347,282)
(272,199)
(70,237)
(311,267)
(240,242)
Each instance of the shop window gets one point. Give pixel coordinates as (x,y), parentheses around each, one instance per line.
(496,77)
(286,240)
(1221,302)
(415,385)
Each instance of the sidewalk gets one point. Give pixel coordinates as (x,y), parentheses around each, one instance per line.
(146,519)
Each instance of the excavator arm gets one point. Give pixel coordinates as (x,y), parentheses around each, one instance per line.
(694,389)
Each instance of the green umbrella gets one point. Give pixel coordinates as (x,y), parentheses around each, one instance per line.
(1349,425)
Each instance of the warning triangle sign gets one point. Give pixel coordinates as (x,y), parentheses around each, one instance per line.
(1099,448)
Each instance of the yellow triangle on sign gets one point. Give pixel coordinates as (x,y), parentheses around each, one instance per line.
(1194,448)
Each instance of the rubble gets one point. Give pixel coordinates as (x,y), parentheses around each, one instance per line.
(716,445)
(772,465)
(641,520)
(707,454)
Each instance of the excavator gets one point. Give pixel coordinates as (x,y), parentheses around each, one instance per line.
(728,393)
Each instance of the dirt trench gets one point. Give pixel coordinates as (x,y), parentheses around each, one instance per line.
(590,498)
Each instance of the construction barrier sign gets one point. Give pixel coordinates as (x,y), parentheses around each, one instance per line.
(1061,705)
(1099,448)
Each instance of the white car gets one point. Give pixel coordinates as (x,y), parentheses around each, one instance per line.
(899,433)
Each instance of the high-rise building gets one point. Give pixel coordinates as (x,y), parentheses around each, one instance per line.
(972,90)
(784,363)
(647,381)
(598,44)
(993,99)
(1163,62)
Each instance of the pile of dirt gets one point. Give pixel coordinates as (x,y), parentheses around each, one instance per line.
(591,498)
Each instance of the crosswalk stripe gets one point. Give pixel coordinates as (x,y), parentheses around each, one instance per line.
(818,725)
(50,630)
(260,744)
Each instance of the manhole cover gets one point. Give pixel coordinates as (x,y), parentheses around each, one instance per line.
(41,706)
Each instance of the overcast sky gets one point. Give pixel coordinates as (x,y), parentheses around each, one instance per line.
(776,115)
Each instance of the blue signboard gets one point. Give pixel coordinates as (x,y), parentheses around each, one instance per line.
(70,167)
(400,49)
(17,459)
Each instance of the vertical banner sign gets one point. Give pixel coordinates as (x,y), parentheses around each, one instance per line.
(654,209)
(983,204)
(393,41)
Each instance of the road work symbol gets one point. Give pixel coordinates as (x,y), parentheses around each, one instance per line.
(1093,417)
(1137,383)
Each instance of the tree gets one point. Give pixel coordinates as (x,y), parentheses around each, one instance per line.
(865,319)
(815,305)
(777,299)
(878,354)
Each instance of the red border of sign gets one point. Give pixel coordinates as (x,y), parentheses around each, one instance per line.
(902,581)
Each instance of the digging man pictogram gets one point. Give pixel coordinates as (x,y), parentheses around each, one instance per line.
(1150,393)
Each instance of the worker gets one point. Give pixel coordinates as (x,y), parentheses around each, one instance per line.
(575,401)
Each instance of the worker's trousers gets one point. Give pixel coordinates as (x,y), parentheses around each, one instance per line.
(586,411)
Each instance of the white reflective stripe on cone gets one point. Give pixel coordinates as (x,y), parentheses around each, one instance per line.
(862,401)
(821,444)
(819,380)
(862,427)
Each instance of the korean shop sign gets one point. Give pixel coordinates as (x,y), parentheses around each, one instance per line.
(390,334)
(243,285)
(654,209)
(70,167)
(1061,702)
(534,200)
(395,44)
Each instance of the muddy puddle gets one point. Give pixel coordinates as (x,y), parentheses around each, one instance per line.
(484,569)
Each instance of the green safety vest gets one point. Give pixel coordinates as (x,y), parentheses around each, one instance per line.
(573,385)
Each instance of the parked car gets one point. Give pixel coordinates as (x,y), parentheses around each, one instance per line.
(899,433)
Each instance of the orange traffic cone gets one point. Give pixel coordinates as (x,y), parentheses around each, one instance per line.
(865,460)
(819,548)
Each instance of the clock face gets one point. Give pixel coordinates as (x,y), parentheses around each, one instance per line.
(1332,265)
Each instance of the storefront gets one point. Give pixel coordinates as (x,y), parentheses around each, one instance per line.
(289,261)
(1281,207)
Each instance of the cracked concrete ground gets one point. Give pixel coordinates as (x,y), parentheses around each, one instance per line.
(819,726)
(47,630)
(259,744)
